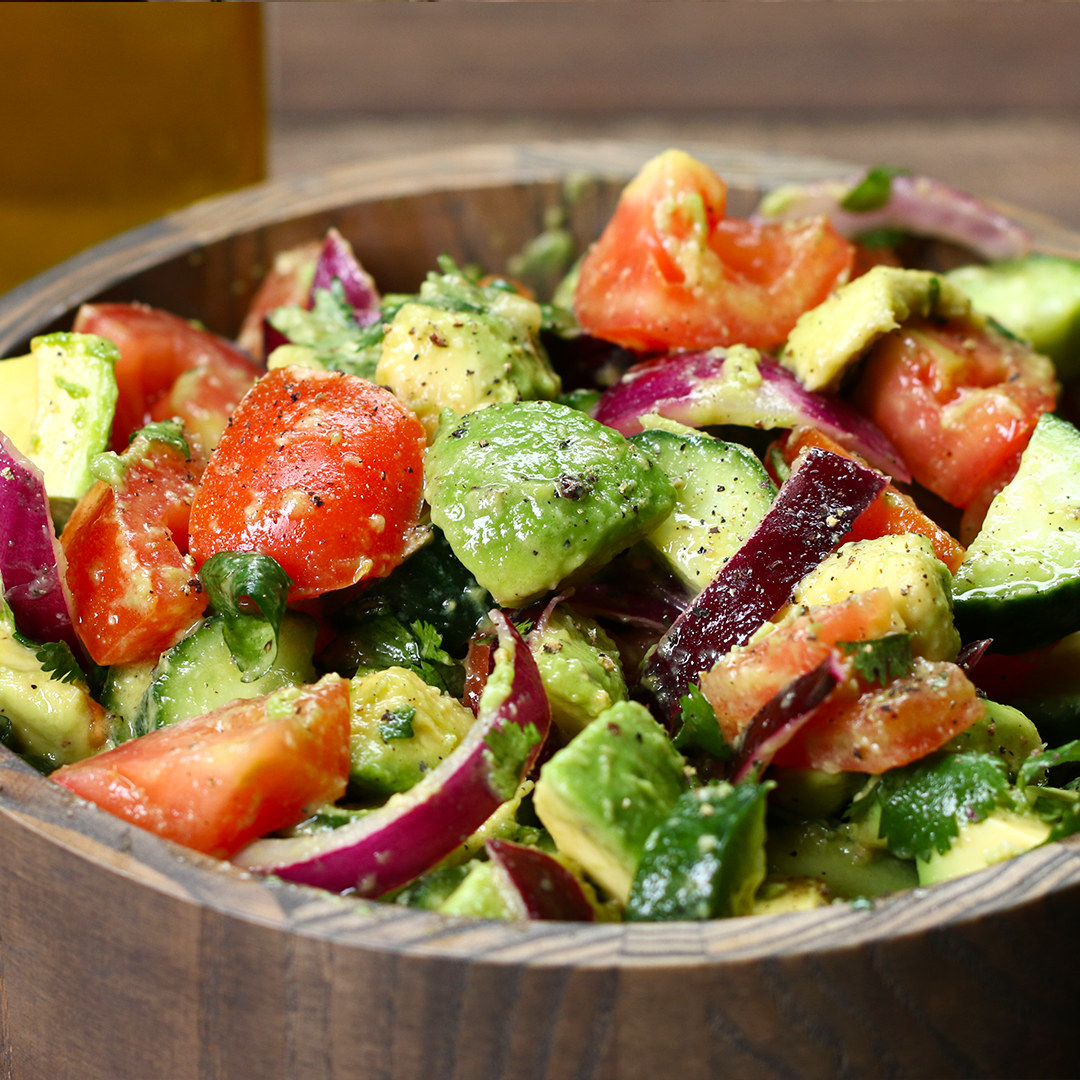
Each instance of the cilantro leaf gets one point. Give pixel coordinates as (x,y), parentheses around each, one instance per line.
(1058,806)
(57,659)
(430,640)
(1034,769)
(250,591)
(873,190)
(700,727)
(397,723)
(923,805)
(881,659)
(375,639)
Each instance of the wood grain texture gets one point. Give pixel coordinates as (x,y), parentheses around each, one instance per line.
(839,58)
(123,957)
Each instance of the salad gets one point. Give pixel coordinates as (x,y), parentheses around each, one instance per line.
(741,574)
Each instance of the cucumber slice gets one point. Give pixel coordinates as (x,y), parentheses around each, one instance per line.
(722,493)
(198,673)
(1036,297)
(1020,581)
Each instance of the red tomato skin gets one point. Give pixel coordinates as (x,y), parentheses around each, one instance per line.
(133,586)
(959,403)
(670,271)
(321,470)
(202,399)
(215,783)
(286,285)
(886,727)
(155,348)
(748,677)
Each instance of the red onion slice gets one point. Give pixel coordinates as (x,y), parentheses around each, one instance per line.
(916,204)
(813,510)
(700,389)
(31,560)
(544,887)
(777,721)
(337,261)
(414,830)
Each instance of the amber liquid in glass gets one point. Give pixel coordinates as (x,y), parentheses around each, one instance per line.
(113,114)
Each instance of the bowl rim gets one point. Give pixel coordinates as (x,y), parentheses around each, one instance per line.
(63,819)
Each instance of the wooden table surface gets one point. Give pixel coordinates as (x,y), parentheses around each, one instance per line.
(985,96)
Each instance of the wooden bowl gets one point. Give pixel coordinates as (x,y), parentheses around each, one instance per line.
(123,957)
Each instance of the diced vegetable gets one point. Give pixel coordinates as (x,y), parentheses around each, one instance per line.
(215,782)
(914,204)
(814,509)
(32,562)
(742,388)
(409,834)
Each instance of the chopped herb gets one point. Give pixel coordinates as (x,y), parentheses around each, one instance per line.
(700,727)
(397,723)
(57,660)
(872,191)
(506,749)
(250,590)
(923,805)
(881,659)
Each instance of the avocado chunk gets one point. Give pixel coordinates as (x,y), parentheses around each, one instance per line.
(580,668)
(400,728)
(780,896)
(919,584)
(831,337)
(601,795)
(1020,580)
(534,494)
(1036,297)
(198,673)
(813,793)
(722,492)
(480,895)
(1002,730)
(838,857)
(706,859)
(1002,834)
(57,405)
(45,714)
(434,359)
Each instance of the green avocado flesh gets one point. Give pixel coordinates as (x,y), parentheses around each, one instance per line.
(534,493)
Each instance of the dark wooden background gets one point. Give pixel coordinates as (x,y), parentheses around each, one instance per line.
(983,94)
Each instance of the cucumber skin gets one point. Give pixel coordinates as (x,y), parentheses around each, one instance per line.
(1034,522)
(197,674)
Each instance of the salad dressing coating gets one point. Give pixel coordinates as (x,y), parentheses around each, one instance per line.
(390,602)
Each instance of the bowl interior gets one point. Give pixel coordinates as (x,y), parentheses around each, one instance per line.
(481,206)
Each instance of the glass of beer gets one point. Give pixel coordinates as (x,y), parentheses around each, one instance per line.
(113,114)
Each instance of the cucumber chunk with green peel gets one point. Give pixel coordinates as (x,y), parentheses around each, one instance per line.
(1020,581)
(603,793)
(722,492)
(1037,297)
(707,859)
(198,673)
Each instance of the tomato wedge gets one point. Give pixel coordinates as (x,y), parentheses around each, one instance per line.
(320,470)
(885,727)
(287,284)
(958,401)
(133,585)
(216,782)
(892,513)
(670,271)
(749,676)
(155,348)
